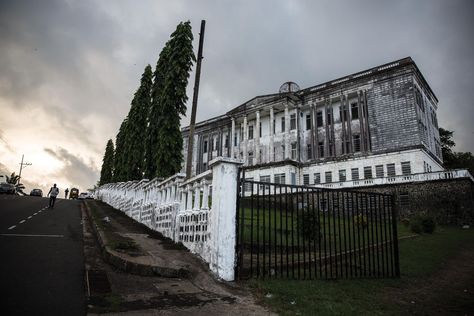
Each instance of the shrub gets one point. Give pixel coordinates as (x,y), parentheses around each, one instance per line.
(361,220)
(405,221)
(309,226)
(422,223)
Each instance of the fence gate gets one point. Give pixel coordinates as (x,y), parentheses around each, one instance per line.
(302,232)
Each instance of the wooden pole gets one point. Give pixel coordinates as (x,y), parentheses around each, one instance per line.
(189,160)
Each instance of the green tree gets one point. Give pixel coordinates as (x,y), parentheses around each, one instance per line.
(172,100)
(106,173)
(452,159)
(136,128)
(13,178)
(120,154)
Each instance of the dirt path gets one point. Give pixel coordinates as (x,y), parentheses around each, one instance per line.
(450,291)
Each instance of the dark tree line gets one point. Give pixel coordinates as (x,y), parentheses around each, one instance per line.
(452,159)
(149,142)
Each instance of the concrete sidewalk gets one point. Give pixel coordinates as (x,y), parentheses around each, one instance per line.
(148,274)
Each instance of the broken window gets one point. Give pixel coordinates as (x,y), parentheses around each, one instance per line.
(292,121)
(355,110)
(355,174)
(379,171)
(319,118)
(308,122)
(368,173)
(293,150)
(356,142)
(342,175)
(406,168)
(317,178)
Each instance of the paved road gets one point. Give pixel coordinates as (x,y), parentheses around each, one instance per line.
(41,257)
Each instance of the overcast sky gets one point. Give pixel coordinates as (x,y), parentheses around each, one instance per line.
(68,69)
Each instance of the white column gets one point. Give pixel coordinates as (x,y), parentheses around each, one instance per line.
(257,138)
(197,197)
(287,133)
(189,197)
(245,140)
(222,217)
(205,195)
(231,140)
(270,154)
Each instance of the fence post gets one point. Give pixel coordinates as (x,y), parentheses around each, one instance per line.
(222,216)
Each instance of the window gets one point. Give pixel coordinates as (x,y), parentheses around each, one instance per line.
(274,124)
(355,174)
(379,171)
(279,178)
(321,149)
(226,144)
(250,154)
(293,178)
(218,143)
(419,99)
(356,142)
(309,151)
(205,147)
(391,170)
(328,176)
(283,151)
(235,140)
(342,175)
(248,186)
(308,122)
(354,110)
(264,179)
(292,121)
(329,117)
(319,118)
(251,132)
(211,144)
(406,168)
(367,172)
(293,150)
(306,179)
(260,130)
(282,124)
(317,178)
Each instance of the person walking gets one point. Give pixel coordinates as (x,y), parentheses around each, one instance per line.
(53,193)
(65,193)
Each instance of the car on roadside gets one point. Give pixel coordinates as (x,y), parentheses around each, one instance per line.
(36,192)
(84,195)
(7,188)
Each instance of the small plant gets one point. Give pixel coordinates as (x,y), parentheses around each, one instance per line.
(422,223)
(361,221)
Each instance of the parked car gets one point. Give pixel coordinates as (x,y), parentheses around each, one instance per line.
(36,192)
(7,188)
(74,193)
(85,195)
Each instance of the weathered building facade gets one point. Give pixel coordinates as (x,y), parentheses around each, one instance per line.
(377,123)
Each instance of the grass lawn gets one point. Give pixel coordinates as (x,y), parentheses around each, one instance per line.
(437,276)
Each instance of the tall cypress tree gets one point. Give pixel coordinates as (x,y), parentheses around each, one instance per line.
(106,173)
(120,153)
(155,115)
(136,128)
(172,100)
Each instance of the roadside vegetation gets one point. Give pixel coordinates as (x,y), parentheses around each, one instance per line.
(437,279)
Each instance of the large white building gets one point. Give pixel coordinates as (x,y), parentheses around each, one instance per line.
(379,123)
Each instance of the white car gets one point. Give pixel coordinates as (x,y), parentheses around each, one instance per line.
(84,195)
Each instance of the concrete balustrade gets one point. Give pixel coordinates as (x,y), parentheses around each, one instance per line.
(199,212)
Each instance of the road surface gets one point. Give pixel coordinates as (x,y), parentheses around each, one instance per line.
(41,257)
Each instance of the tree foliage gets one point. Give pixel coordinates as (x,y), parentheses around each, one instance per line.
(169,103)
(106,173)
(13,178)
(120,154)
(452,159)
(136,128)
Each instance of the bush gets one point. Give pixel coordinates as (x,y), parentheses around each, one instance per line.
(361,220)
(405,221)
(309,226)
(422,223)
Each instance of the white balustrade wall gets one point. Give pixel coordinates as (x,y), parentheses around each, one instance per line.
(197,212)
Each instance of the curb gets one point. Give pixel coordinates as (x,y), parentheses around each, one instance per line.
(129,266)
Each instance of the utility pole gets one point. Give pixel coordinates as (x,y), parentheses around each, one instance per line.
(189,160)
(21,167)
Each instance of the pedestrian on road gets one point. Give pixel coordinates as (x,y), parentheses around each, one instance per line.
(53,193)
(65,193)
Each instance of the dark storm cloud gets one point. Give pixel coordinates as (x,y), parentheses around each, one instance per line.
(75,169)
(80,61)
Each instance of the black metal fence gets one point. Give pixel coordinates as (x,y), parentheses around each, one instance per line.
(302,232)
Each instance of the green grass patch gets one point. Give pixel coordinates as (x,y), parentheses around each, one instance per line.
(420,259)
